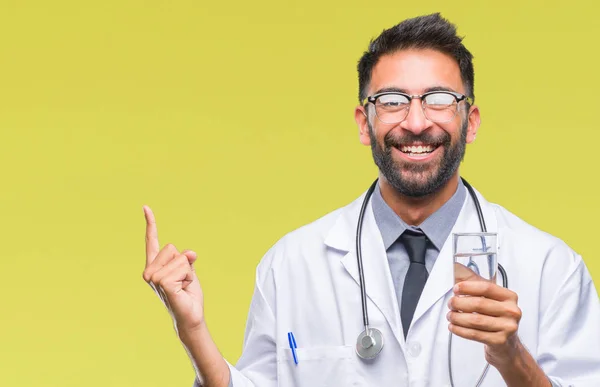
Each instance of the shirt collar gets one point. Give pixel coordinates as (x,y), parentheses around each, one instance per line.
(436,227)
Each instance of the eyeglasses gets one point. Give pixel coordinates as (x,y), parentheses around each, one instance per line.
(438,106)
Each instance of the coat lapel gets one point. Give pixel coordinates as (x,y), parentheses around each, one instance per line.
(378,280)
(441,278)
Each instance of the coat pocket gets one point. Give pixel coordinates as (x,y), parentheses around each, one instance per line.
(317,367)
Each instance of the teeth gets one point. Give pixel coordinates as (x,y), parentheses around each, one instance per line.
(417,149)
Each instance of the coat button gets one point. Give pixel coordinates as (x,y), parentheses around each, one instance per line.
(414,349)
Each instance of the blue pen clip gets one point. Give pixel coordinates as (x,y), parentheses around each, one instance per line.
(292,341)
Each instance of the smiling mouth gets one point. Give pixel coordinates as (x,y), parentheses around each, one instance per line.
(417,150)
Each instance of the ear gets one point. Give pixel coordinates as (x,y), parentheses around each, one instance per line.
(474,122)
(362,121)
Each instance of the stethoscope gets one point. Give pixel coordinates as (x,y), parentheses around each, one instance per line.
(370,341)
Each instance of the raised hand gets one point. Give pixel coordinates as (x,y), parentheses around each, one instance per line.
(171,274)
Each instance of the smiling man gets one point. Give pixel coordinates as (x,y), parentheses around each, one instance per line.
(332,308)
(417,154)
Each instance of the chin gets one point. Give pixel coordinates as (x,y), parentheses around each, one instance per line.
(418,184)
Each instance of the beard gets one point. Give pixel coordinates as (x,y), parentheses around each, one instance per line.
(421,179)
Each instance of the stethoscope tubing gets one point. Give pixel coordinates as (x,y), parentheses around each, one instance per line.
(361,274)
(361,277)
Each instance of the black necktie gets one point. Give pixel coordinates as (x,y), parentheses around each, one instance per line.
(415,244)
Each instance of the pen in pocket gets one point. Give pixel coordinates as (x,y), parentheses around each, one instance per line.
(292,341)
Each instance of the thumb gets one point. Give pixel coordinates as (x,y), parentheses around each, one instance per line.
(463,273)
(191,256)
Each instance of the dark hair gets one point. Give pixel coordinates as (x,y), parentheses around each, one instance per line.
(423,32)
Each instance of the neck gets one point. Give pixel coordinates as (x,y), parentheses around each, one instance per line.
(413,210)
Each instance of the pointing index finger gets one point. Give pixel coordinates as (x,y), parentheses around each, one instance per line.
(152,246)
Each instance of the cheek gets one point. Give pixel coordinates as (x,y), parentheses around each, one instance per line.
(453,129)
(456,130)
(374,132)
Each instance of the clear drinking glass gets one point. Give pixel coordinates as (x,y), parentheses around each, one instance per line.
(475,256)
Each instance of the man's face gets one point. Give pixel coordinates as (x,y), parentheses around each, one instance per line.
(411,170)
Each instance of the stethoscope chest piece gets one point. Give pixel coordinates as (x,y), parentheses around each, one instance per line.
(368,345)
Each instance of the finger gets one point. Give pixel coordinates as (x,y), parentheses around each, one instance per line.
(174,276)
(488,338)
(478,321)
(164,256)
(479,305)
(190,276)
(485,289)
(463,273)
(191,255)
(158,277)
(485,306)
(152,246)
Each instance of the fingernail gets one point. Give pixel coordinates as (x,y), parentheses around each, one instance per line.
(456,288)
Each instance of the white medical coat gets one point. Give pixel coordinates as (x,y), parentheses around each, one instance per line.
(308,284)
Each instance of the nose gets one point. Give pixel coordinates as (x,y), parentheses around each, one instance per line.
(415,121)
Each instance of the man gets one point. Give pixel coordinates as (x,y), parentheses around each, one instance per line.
(417,115)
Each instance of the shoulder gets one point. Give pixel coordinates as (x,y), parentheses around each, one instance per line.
(541,266)
(315,231)
(509,222)
(308,240)
(521,237)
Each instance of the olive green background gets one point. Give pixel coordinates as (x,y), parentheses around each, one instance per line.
(234,122)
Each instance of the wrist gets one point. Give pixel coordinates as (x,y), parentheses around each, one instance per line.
(507,357)
(210,366)
(517,367)
(189,334)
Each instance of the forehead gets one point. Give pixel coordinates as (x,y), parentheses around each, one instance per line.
(415,71)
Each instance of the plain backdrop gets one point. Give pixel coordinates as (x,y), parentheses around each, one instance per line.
(234,121)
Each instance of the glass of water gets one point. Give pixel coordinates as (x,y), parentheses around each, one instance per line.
(475,256)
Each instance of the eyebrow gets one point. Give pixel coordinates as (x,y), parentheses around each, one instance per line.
(404,91)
